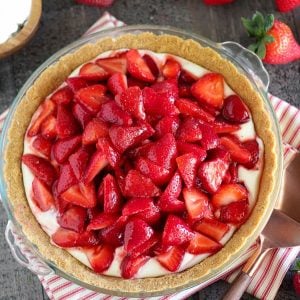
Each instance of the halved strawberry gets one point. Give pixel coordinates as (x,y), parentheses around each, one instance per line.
(235,212)
(92,71)
(253,148)
(202,244)
(209,89)
(137,67)
(220,126)
(212,228)
(131,101)
(184,148)
(209,140)
(101,257)
(48,128)
(76,83)
(97,162)
(42,145)
(40,167)
(81,114)
(172,258)
(46,109)
(212,172)
(168,124)
(137,185)
(151,63)
(63,148)
(176,232)
(91,97)
(117,83)
(68,238)
(190,131)
(112,113)
(192,109)
(229,193)
(131,265)
(237,151)
(113,64)
(112,195)
(66,124)
(66,178)
(41,195)
(63,95)
(171,69)
(102,220)
(197,204)
(234,110)
(73,218)
(94,130)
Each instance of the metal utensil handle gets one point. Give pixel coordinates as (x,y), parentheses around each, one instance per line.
(250,61)
(23,253)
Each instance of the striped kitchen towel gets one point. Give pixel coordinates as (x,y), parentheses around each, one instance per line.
(267,279)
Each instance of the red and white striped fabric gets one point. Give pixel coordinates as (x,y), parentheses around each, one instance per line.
(266,280)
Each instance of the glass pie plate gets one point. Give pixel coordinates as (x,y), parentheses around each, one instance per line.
(245,61)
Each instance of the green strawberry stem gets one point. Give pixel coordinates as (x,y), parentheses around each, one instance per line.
(296,265)
(258,28)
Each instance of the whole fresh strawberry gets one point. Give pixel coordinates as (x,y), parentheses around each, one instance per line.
(217,2)
(99,3)
(296,278)
(275,42)
(287,5)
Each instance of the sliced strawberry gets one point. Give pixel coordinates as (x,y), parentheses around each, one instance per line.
(74,219)
(171,69)
(253,148)
(94,130)
(233,172)
(172,258)
(202,244)
(167,90)
(159,175)
(91,97)
(187,166)
(81,195)
(184,148)
(151,64)
(235,212)
(68,238)
(112,195)
(190,131)
(143,208)
(234,110)
(63,95)
(192,109)
(176,232)
(209,140)
(97,162)
(175,185)
(197,204)
(76,83)
(66,124)
(131,101)
(102,220)
(46,109)
(113,64)
(112,113)
(209,89)
(170,204)
(228,193)
(220,126)
(168,124)
(212,228)
(109,151)
(137,185)
(131,81)
(66,178)
(63,148)
(81,114)
(131,265)
(125,137)
(101,257)
(78,162)
(40,167)
(137,67)
(41,195)
(238,152)
(92,71)
(212,172)
(60,204)
(117,83)
(42,145)
(48,128)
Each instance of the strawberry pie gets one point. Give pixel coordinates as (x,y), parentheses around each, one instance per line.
(147,156)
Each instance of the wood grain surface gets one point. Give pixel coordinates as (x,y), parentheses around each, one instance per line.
(63,21)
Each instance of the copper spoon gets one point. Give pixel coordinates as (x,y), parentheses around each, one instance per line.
(284,219)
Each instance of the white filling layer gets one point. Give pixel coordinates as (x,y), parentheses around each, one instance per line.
(152,267)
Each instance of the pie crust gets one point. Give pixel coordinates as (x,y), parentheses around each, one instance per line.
(50,79)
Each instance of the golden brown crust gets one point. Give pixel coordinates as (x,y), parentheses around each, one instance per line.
(51,78)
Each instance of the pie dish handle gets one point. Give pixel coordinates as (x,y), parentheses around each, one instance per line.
(250,61)
(23,253)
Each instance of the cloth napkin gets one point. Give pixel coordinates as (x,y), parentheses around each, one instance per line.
(267,279)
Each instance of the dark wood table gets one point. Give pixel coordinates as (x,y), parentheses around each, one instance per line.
(64,21)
